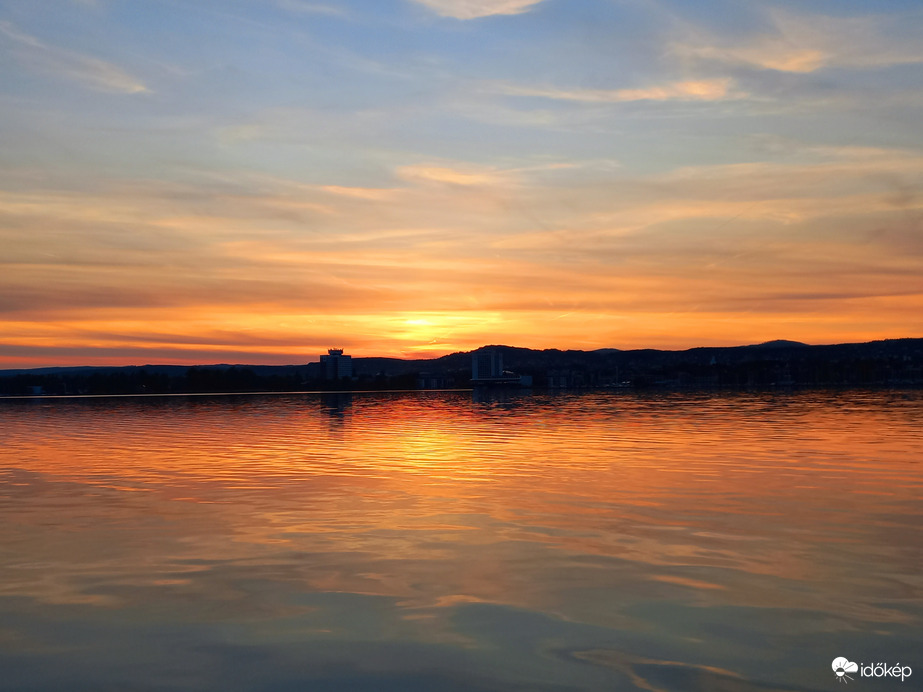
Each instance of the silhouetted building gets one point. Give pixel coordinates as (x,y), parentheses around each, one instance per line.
(335,365)
(487,368)
(486,364)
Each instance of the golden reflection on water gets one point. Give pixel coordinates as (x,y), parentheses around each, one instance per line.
(704,528)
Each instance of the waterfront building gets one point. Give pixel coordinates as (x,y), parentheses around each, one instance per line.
(335,365)
(487,369)
(487,364)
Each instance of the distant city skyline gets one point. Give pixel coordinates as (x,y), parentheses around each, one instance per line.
(253,182)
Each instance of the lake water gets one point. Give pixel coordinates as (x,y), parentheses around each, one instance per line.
(445,541)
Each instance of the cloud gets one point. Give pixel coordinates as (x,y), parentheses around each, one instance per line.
(694,90)
(803,44)
(474,9)
(376,194)
(454,176)
(767,55)
(92,72)
(302,7)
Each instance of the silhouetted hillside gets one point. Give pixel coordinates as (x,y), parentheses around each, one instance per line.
(893,362)
(778,343)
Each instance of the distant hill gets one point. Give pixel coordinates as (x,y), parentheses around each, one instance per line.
(778,343)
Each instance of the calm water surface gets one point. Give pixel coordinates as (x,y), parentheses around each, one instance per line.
(437,542)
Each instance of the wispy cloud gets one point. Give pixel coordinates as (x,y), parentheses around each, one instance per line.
(302,7)
(454,176)
(375,194)
(802,44)
(766,54)
(474,9)
(91,72)
(694,90)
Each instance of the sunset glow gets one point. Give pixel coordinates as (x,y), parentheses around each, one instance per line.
(255,182)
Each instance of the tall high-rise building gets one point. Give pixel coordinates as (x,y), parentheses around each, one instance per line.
(486,364)
(335,365)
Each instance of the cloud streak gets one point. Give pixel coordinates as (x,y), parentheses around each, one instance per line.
(691,90)
(475,9)
(805,43)
(91,72)
(302,7)
(469,176)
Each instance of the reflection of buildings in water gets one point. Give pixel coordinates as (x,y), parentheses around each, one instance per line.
(503,396)
(336,404)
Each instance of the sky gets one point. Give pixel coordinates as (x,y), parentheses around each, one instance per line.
(243,181)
